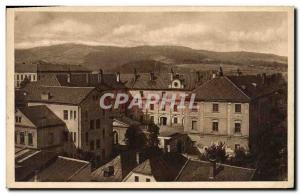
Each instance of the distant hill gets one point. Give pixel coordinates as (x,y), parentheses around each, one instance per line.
(111,58)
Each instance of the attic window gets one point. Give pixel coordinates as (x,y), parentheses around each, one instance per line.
(109,171)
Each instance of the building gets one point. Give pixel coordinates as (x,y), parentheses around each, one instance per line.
(157,169)
(43,166)
(222,115)
(39,128)
(197,170)
(161,84)
(25,71)
(88,127)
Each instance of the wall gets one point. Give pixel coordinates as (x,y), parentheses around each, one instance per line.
(142,177)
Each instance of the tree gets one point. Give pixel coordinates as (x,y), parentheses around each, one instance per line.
(153,131)
(24,82)
(134,138)
(216,152)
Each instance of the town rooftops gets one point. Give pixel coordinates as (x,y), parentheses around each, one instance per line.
(162,168)
(196,170)
(160,81)
(121,165)
(220,89)
(62,169)
(25,68)
(57,94)
(41,116)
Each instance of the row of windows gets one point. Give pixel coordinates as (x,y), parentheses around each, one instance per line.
(18,119)
(137,179)
(87,136)
(237,108)
(70,115)
(26,76)
(22,138)
(215,126)
(92,144)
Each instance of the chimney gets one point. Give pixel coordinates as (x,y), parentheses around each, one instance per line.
(138,160)
(264,78)
(69,77)
(100,76)
(212,169)
(135,74)
(118,77)
(172,74)
(87,78)
(151,76)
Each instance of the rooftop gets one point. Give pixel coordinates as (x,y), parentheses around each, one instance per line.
(220,89)
(41,116)
(199,171)
(45,67)
(57,94)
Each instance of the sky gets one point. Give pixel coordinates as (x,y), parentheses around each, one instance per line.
(265,32)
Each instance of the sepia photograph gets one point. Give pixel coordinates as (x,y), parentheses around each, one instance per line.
(150,97)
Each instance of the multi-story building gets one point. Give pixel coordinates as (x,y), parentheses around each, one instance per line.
(38,127)
(221,114)
(25,71)
(88,127)
(160,84)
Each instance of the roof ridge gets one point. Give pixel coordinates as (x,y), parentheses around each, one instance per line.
(237,87)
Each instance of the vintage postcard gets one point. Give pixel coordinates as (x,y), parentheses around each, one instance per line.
(150,97)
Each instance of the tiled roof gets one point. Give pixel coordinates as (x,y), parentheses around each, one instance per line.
(199,171)
(29,160)
(123,164)
(81,80)
(41,116)
(64,95)
(162,168)
(220,89)
(161,81)
(25,68)
(62,169)
(48,80)
(256,85)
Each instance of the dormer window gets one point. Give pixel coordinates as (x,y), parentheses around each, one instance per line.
(176,84)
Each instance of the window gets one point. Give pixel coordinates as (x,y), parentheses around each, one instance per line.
(175,108)
(18,119)
(238,108)
(215,126)
(103,133)
(194,108)
(163,93)
(22,138)
(74,138)
(237,146)
(152,119)
(51,139)
(66,135)
(21,77)
(147,180)
(29,77)
(175,120)
(33,77)
(17,77)
(86,138)
(92,124)
(97,123)
(151,106)
(30,139)
(194,125)
(71,114)
(103,153)
(65,115)
(92,145)
(136,179)
(142,93)
(98,143)
(237,127)
(163,108)
(75,115)
(215,107)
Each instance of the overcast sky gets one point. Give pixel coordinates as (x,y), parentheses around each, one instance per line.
(218,31)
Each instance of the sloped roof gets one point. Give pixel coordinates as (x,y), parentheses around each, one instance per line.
(60,170)
(41,116)
(161,81)
(124,121)
(123,164)
(48,80)
(25,68)
(162,168)
(199,171)
(64,95)
(220,89)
